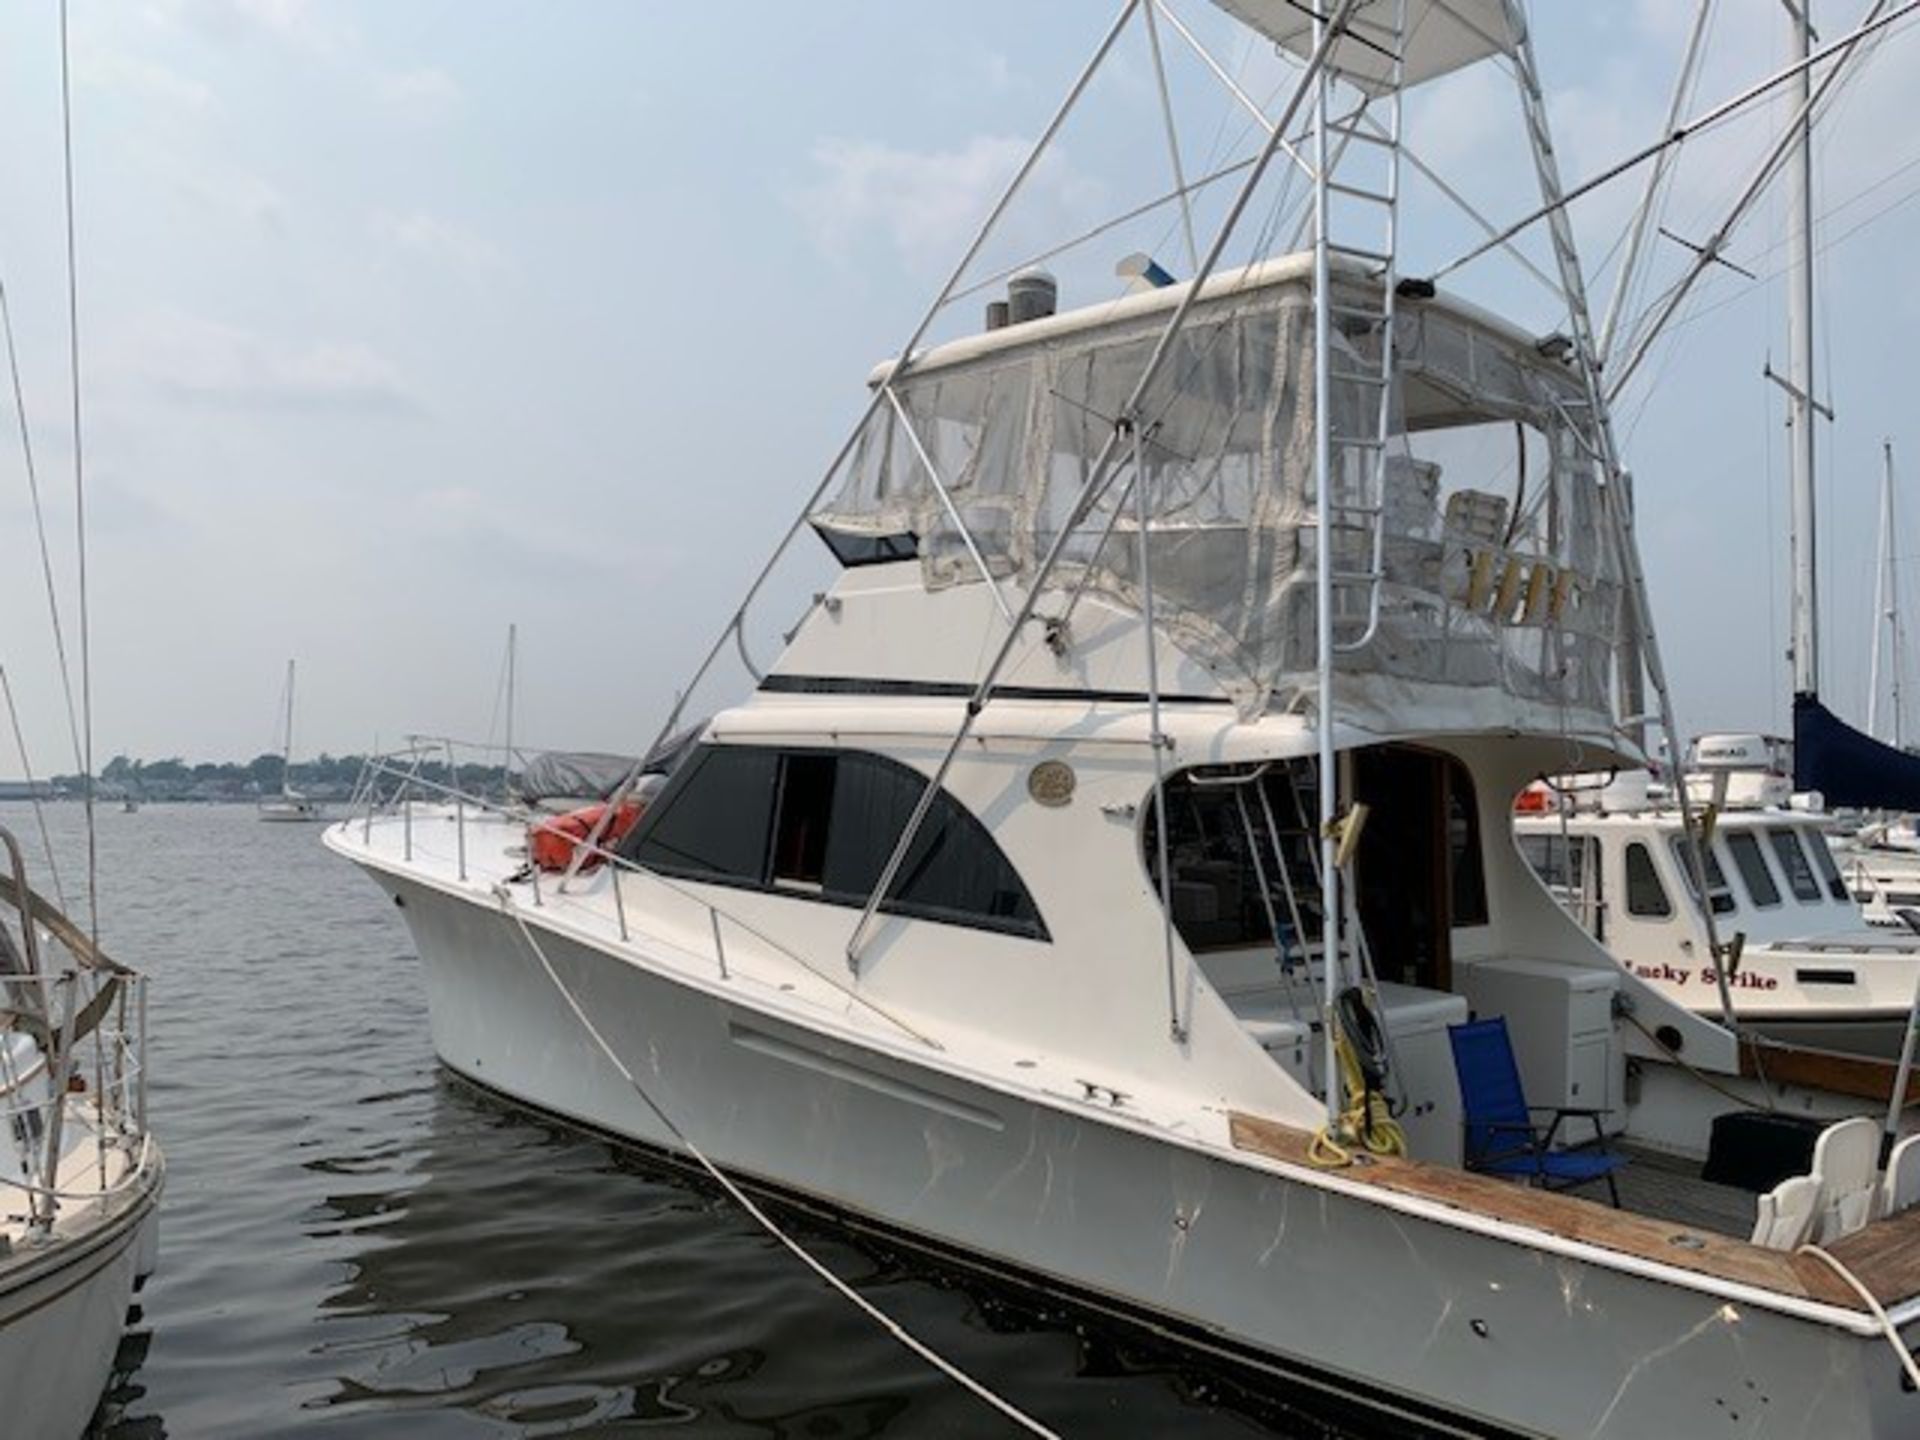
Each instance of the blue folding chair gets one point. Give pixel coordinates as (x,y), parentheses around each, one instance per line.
(1502,1136)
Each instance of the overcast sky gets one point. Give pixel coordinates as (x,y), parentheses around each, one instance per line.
(404,320)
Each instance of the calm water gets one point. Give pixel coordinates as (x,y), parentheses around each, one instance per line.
(355,1244)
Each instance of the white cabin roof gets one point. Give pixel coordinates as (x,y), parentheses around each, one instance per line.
(1293,269)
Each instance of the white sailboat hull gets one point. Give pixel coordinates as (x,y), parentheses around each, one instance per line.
(1446,1320)
(63,1307)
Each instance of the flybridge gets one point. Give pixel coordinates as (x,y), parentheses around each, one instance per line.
(1469,557)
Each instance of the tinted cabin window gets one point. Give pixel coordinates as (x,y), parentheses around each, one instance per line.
(1717,887)
(825,822)
(1646,896)
(712,822)
(1752,865)
(954,870)
(1793,864)
(1823,862)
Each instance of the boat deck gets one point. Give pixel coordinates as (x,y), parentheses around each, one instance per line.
(1669,1215)
(1666,1187)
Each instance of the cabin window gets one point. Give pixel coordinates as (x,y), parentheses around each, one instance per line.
(953,872)
(1559,861)
(824,823)
(1221,831)
(1793,864)
(1751,862)
(1646,896)
(1824,863)
(1717,887)
(853,550)
(711,823)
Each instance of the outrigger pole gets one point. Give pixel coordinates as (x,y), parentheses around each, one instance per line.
(734,628)
(1327,33)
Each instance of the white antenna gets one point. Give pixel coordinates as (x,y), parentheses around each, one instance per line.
(506,761)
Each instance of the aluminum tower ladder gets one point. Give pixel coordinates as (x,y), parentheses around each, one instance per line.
(1357,222)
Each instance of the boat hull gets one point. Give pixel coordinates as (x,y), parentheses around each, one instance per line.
(1463,1330)
(63,1309)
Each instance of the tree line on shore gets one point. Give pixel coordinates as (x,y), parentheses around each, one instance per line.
(324,777)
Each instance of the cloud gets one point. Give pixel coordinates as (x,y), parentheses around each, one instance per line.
(143,79)
(426,237)
(233,193)
(190,358)
(428,92)
(298,24)
(925,202)
(473,531)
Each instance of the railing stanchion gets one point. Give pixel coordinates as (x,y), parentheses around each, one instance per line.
(619,900)
(719,946)
(59,1077)
(140,1055)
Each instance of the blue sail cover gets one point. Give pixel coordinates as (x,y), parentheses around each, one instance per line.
(1849,768)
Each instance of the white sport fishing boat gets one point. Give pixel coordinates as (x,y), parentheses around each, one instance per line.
(80,1176)
(1810,968)
(1135,806)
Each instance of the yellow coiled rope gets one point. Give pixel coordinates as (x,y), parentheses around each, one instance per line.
(1367,1124)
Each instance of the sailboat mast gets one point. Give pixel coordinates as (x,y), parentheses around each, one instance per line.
(506,762)
(1800,392)
(286,755)
(1894,638)
(1880,561)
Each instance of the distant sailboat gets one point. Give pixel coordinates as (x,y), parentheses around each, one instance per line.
(290,804)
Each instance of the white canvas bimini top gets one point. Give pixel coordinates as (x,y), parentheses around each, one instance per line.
(1442,36)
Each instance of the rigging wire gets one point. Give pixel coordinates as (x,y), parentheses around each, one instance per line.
(1746,289)
(79,483)
(39,520)
(1835,90)
(33,791)
(1679,135)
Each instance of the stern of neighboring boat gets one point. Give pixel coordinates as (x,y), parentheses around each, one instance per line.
(80,1174)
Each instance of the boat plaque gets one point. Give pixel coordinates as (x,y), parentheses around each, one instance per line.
(1051,782)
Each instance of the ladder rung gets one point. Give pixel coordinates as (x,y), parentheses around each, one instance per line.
(1355,378)
(1358,252)
(1360,312)
(1353,507)
(1359,194)
(1354,577)
(1355,132)
(1357,442)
